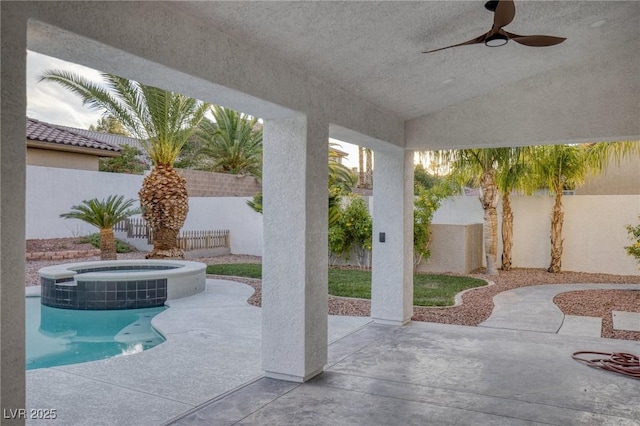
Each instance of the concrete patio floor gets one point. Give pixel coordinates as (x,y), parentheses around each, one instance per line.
(208,373)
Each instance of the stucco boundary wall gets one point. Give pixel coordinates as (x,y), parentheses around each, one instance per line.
(594,233)
(594,230)
(52,191)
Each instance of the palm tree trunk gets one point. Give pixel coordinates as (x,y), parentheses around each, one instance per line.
(165,244)
(489,199)
(107,244)
(369,169)
(557,219)
(165,204)
(507,231)
(360,167)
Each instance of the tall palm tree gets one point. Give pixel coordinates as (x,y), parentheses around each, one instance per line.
(233,142)
(513,174)
(559,167)
(368,175)
(361,179)
(104,214)
(480,166)
(365,168)
(162,121)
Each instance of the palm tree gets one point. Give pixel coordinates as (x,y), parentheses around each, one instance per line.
(163,122)
(104,214)
(361,167)
(559,167)
(340,175)
(513,174)
(368,175)
(341,181)
(365,168)
(233,142)
(479,166)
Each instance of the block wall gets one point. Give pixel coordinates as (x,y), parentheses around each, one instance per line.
(208,184)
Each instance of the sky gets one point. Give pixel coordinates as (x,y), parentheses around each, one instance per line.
(51,103)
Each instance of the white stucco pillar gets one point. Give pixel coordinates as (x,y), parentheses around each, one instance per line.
(12,214)
(295,248)
(392,260)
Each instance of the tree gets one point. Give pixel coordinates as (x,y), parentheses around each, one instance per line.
(109,124)
(352,231)
(340,176)
(233,142)
(162,121)
(513,174)
(479,166)
(426,203)
(559,167)
(128,162)
(423,179)
(365,168)
(104,214)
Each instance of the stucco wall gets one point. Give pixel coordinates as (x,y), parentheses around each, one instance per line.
(454,248)
(69,160)
(619,179)
(593,231)
(52,191)
(231,213)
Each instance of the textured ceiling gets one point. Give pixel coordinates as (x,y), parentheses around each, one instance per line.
(373,49)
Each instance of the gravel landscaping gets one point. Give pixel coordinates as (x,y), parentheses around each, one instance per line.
(477,303)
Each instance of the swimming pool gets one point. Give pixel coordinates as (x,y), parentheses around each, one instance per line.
(120,284)
(61,336)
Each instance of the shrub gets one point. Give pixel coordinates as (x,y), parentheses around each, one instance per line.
(129,162)
(425,205)
(352,230)
(94,240)
(634,236)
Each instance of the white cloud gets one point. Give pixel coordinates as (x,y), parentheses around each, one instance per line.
(351,160)
(53,104)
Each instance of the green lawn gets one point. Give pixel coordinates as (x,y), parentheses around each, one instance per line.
(428,289)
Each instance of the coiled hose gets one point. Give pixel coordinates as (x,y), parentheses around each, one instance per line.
(618,362)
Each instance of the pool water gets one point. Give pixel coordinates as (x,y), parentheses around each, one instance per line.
(64,336)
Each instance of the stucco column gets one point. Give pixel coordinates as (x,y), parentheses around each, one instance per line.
(392,260)
(12,214)
(295,248)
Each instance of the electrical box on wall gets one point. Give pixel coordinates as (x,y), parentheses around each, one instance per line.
(382,237)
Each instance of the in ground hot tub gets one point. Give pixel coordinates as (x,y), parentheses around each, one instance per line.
(120,284)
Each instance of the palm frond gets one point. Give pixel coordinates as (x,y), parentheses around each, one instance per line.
(103,213)
(160,119)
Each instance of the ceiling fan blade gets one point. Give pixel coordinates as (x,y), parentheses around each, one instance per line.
(476,40)
(504,14)
(535,40)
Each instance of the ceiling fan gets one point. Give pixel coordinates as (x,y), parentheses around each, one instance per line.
(504,12)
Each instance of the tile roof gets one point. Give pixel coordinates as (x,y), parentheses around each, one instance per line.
(110,138)
(46,132)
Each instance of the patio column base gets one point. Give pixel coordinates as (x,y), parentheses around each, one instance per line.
(293,378)
(390,322)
